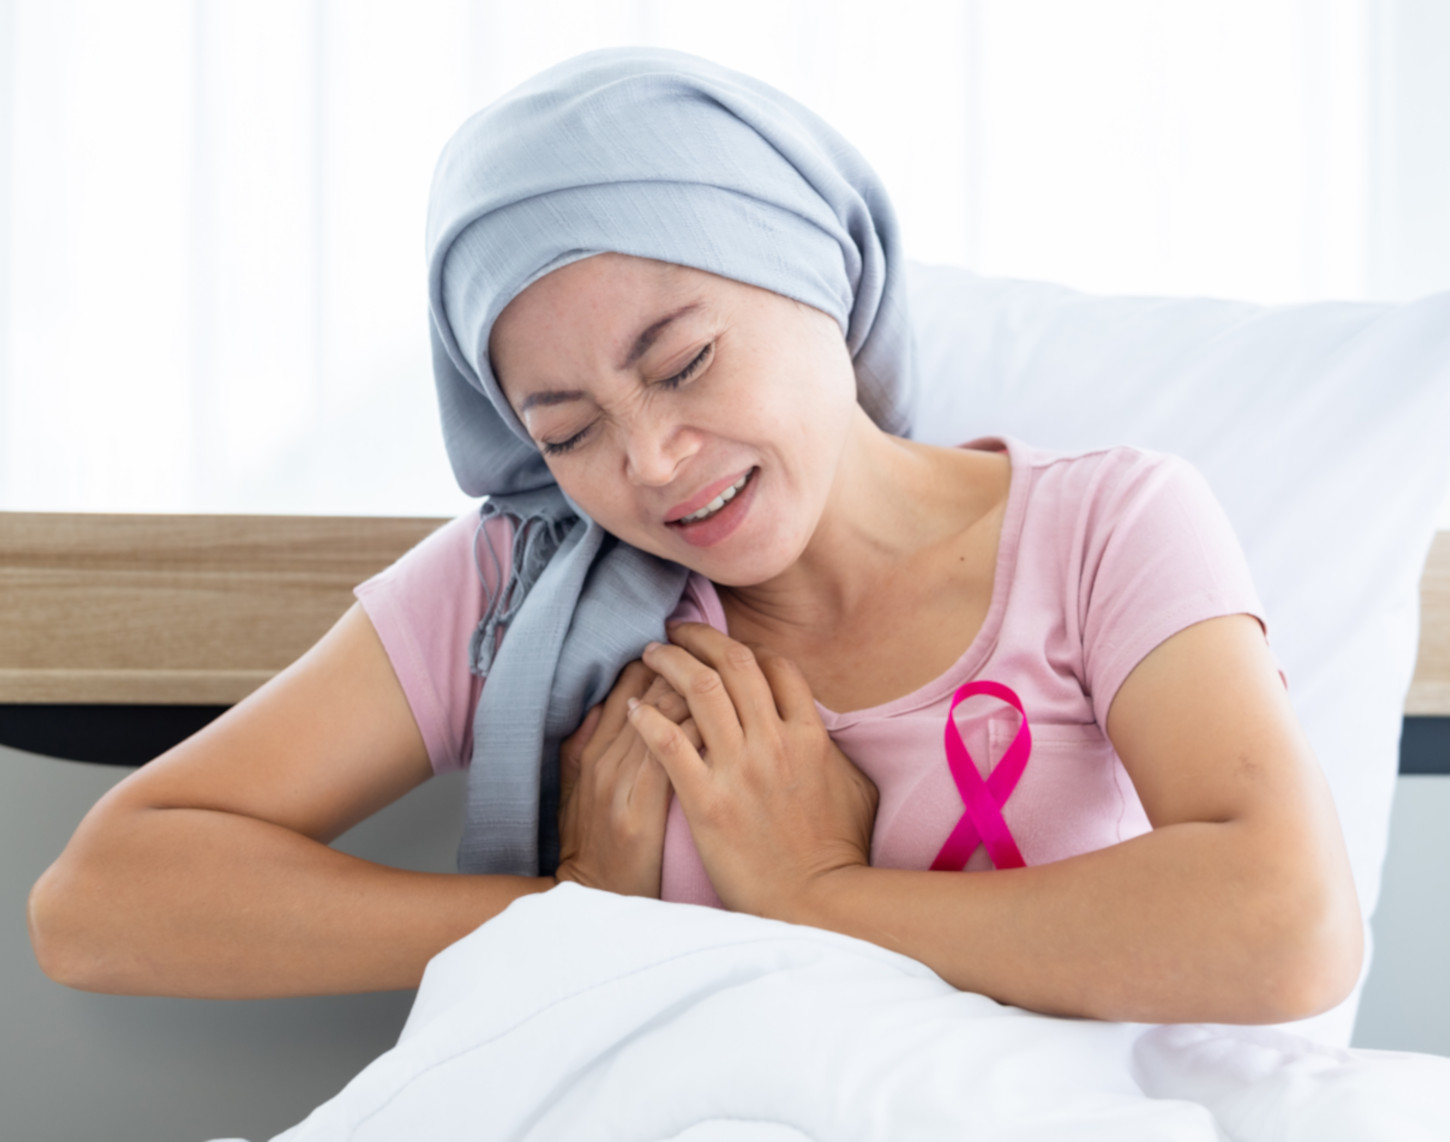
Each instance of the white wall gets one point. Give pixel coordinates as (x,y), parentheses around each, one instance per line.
(1409,239)
(1409,159)
(211,214)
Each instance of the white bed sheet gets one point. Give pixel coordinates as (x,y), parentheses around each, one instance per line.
(583,1015)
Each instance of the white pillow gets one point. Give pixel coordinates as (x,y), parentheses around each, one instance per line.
(1324,429)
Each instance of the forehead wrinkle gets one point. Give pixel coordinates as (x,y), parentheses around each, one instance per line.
(559,312)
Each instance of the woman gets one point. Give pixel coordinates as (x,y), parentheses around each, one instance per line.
(671,345)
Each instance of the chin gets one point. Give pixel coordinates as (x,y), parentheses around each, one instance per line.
(736,579)
(748,569)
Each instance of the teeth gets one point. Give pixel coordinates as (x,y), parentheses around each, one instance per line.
(718,502)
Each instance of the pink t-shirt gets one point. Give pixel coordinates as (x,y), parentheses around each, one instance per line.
(1103,555)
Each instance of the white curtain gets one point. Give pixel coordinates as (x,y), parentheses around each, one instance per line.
(211,211)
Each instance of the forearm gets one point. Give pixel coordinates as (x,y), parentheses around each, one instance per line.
(202,903)
(1189,923)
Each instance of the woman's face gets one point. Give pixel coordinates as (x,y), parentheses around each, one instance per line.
(690,415)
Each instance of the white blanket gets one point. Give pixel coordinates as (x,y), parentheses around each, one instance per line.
(582,1015)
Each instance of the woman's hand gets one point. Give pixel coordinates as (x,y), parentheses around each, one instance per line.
(773,805)
(613,796)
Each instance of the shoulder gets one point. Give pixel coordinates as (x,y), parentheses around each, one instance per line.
(458,551)
(425,608)
(1102,475)
(1072,496)
(1128,506)
(1130,530)
(436,593)
(1123,493)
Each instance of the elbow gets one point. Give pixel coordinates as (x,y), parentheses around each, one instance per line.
(1323,977)
(1315,958)
(58,933)
(84,915)
(43,916)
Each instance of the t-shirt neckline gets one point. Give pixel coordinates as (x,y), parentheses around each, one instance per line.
(981,646)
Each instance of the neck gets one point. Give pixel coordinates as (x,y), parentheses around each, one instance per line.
(892,501)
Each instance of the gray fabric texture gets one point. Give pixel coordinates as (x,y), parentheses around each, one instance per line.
(657,154)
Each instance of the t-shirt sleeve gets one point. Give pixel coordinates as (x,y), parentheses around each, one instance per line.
(425,608)
(1159,555)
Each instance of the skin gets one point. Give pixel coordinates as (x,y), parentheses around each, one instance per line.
(207,871)
(1237,907)
(613,795)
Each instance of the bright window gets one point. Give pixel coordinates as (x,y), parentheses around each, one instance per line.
(211,281)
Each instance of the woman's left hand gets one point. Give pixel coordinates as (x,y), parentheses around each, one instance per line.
(613,795)
(774,806)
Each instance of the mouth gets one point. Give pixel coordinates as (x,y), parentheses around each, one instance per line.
(719,516)
(704,504)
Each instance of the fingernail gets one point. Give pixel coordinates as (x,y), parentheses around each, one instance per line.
(651,646)
(631,704)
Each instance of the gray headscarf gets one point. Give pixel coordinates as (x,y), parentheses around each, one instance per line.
(661,155)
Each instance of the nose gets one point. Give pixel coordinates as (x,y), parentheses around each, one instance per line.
(655,448)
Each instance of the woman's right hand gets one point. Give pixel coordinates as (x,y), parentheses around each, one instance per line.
(613,795)
(207,872)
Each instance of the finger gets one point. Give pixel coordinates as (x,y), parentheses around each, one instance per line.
(793,697)
(616,760)
(738,669)
(633,681)
(667,700)
(652,790)
(572,751)
(704,692)
(671,747)
(574,744)
(648,784)
(687,727)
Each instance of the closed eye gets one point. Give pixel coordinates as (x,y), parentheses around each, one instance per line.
(558,448)
(550,448)
(689,370)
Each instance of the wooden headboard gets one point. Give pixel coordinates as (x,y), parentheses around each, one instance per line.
(1430,691)
(201,610)
(175,609)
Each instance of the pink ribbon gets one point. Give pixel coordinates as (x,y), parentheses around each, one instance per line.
(982,823)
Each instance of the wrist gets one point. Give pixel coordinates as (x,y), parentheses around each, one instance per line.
(824,902)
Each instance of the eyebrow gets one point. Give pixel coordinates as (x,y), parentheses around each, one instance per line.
(650,335)
(642,343)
